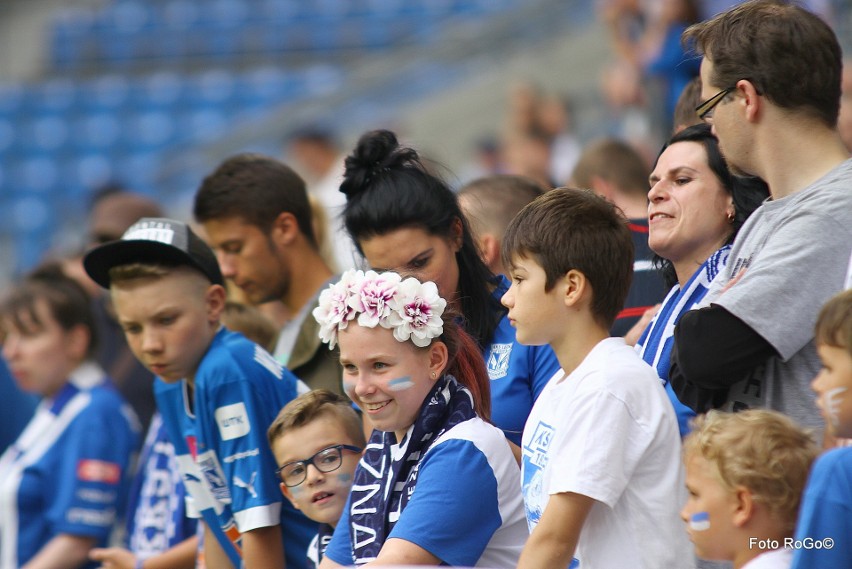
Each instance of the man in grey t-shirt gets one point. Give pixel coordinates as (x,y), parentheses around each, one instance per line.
(775,117)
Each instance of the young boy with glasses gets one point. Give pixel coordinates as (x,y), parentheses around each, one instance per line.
(321,430)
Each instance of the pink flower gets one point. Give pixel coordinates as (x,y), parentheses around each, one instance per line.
(334,310)
(372,299)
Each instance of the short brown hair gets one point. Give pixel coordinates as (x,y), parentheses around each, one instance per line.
(615,161)
(834,324)
(790,55)
(569,229)
(313,406)
(763,450)
(684,113)
(498,199)
(257,189)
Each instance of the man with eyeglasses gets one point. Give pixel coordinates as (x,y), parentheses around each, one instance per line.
(771,89)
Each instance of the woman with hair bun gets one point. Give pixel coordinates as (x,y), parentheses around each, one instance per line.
(404,218)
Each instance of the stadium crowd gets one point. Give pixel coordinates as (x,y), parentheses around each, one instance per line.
(590,355)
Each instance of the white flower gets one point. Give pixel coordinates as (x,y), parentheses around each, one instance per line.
(417,309)
(410,308)
(334,310)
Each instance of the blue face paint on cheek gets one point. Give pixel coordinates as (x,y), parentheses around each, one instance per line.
(400,383)
(699,521)
(297,491)
(344,477)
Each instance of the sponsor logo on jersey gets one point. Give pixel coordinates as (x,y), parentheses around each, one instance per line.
(498,360)
(240,483)
(101,518)
(90,470)
(96,496)
(212,473)
(233,421)
(241,455)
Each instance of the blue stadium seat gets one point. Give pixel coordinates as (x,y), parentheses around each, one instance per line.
(106,93)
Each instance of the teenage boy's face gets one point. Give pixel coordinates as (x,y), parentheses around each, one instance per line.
(169,321)
(531,309)
(249,258)
(708,510)
(833,386)
(322,495)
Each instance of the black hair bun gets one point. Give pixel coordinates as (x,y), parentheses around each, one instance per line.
(377,151)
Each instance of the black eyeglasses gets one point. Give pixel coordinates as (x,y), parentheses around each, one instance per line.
(705,109)
(327,460)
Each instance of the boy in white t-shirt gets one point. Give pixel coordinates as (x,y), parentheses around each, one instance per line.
(745,473)
(602,472)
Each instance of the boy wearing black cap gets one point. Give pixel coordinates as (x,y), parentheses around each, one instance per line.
(217,391)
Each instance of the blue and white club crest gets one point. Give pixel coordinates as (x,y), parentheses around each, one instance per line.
(498,360)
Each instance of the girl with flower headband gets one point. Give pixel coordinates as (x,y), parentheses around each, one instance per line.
(437,484)
(404,218)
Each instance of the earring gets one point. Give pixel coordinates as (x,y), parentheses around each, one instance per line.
(434,375)
(731,216)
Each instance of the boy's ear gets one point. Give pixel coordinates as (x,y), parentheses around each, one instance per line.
(287,494)
(489,248)
(744,506)
(214,300)
(575,286)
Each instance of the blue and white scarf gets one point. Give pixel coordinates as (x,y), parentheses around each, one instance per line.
(387,474)
(655,345)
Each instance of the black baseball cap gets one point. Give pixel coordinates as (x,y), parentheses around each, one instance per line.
(153,240)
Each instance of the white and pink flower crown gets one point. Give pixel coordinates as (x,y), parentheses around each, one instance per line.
(410,308)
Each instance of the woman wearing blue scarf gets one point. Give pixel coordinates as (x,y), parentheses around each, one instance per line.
(437,484)
(696,208)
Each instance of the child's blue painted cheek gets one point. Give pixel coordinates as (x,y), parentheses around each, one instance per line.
(699,521)
(344,477)
(297,490)
(400,383)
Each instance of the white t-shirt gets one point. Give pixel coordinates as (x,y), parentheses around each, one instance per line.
(775,559)
(608,431)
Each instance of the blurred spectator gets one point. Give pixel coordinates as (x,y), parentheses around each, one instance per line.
(489,204)
(18,408)
(684,113)
(554,118)
(316,155)
(64,480)
(527,154)
(646,42)
(113,211)
(614,170)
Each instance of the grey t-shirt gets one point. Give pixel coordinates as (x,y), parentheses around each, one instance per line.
(794,253)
